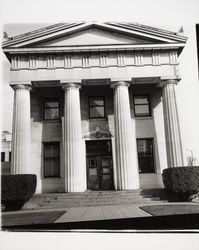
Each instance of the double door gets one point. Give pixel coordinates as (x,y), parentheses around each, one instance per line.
(99,172)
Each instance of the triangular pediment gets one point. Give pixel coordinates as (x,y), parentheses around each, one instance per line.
(93,34)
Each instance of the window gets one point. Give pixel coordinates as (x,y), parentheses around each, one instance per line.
(142,106)
(96,107)
(2,156)
(51,109)
(51,160)
(145,155)
(10,156)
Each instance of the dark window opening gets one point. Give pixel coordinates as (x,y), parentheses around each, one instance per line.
(2,156)
(10,156)
(142,106)
(51,109)
(51,160)
(96,107)
(145,155)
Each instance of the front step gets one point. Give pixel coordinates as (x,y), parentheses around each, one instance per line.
(93,198)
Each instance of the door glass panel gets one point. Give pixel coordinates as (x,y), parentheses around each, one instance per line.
(105,170)
(93,174)
(106,177)
(105,162)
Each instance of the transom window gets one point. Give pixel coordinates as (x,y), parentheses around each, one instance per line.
(142,105)
(51,109)
(96,107)
(51,160)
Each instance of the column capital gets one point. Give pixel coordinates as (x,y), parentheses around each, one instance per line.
(164,83)
(21,86)
(120,84)
(71,85)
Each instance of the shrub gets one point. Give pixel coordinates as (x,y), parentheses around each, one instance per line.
(16,190)
(183,181)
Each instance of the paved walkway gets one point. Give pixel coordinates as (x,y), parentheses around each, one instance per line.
(102,213)
(92,213)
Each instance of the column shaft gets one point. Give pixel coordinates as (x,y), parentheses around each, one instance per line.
(21,160)
(75,174)
(126,157)
(172,128)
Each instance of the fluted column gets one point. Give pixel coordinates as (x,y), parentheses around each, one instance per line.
(172,126)
(126,157)
(21,160)
(75,174)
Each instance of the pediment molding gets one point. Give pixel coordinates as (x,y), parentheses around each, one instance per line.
(128,34)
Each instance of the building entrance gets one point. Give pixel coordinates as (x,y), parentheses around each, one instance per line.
(99,165)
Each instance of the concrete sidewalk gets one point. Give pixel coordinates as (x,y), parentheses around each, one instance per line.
(102,213)
(92,213)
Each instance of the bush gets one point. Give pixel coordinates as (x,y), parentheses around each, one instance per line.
(16,190)
(183,181)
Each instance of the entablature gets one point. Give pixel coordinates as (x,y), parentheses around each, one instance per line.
(90,59)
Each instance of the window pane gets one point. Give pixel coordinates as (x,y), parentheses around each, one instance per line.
(47,168)
(142,146)
(142,110)
(96,101)
(47,151)
(52,114)
(97,112)
(56,169)
(55,150)
(51,104)
(141,100)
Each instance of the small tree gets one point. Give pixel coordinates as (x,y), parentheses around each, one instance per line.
(191,161)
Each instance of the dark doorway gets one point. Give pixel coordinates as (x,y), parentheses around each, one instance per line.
(145,156)
(99,165)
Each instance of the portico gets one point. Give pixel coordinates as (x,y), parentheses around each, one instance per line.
(95,82)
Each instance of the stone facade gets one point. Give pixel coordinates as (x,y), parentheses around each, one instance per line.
(100,68)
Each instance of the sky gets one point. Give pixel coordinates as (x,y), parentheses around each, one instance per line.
(21,16)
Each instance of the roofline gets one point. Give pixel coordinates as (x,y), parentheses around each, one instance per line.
(65,29)
(39,33)
(152,30)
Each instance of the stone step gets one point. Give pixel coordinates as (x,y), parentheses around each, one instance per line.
(96,198)
(71,196)
(98,202)
(45,206)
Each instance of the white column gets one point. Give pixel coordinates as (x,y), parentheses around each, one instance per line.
(75,172)
(21,159)
(126,157)
(172,128)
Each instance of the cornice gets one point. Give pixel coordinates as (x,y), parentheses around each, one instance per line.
(95,48)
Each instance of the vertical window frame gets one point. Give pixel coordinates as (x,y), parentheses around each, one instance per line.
(52,158)
(148,104)
(44,108)
(90,106)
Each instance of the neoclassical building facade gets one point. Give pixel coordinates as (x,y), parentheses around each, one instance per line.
(95,105)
